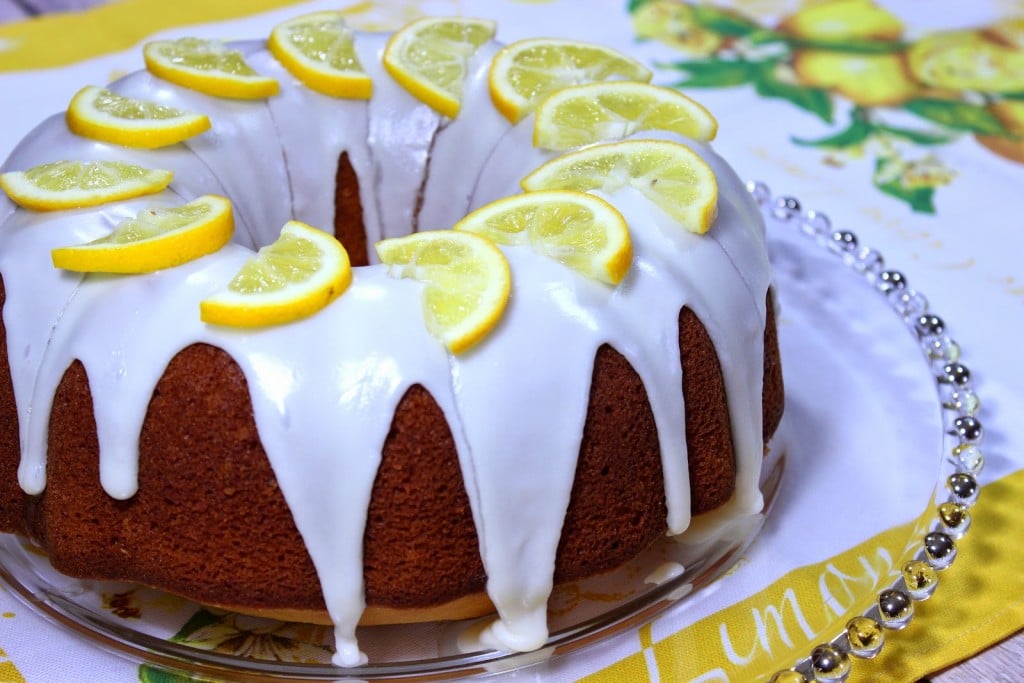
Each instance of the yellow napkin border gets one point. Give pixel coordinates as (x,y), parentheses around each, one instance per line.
(124,23)
(979,602)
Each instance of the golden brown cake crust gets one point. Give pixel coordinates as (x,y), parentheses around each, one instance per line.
(209,521)
(12,515)
(348,213)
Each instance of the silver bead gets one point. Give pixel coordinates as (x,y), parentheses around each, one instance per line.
(929,325)
(955,374)
(830,664)
(963,487)
(895,608)
(843,241)
(939,549)
(968,428)
(889,280)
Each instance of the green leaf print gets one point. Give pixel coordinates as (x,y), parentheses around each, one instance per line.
(814,100)
(154,674)
(855,134)
(918,137)
(723,22)
(957,115)
(715,73)
(867,47)
(918,197)
(200,619)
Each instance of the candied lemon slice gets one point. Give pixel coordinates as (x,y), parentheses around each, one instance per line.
(670,174)
(429,58)
(75,184)
(294,277)
(319,50)
(156,238)
(580,230)
(99,114)
(208,66)
(468,281)
(526,71)
(612,110)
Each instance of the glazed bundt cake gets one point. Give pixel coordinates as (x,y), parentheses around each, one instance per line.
(348,466)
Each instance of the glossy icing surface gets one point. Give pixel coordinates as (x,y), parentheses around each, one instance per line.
(324,389)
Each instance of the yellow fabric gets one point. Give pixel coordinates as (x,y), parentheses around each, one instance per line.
(980,601)
(124,25)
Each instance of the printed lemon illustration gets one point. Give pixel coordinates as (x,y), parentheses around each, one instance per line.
(1010,113)
(842,21)
(672,23)
(1009,32)
(969,60)
(870,80)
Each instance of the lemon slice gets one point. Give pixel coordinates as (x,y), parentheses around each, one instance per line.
(526,71)
(594,112)
(75,184)
(468,281)
(429,58)
(208,66)
(155,239)
(294,277)
(319,50)
(670,174)
(99,114)
(580,230)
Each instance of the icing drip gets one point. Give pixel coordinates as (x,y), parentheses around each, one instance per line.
(324,389)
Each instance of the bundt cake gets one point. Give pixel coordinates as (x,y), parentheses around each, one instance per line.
(347,466)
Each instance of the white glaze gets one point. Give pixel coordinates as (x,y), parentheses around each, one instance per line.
(336,377)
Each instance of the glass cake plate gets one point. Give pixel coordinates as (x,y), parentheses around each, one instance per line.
(862,360)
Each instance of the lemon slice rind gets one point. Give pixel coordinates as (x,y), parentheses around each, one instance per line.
(156,239)
(81,184)
(609,110)
(429,58)
(467,282)
(580,230)
(150,126)
(524,72)
(310,279)
(670,174)
(224,73)
(334,71)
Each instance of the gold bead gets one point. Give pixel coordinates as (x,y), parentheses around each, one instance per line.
(866,636)
(920,578)
(956,517)
(788,676)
